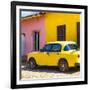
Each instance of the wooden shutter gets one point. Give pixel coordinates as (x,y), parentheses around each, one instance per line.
(61,33)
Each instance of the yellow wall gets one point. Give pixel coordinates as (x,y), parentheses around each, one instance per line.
(52,20)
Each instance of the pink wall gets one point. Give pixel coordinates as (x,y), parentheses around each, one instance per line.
(30,25)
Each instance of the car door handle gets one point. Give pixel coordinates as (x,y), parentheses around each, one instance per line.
(48,53)
(57,53)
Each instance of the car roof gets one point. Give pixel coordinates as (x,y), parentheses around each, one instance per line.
(61,42)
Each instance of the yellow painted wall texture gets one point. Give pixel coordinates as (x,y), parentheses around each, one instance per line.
(52,20)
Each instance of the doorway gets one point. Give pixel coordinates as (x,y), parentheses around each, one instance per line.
(78,34)
(23,48)
(36,41)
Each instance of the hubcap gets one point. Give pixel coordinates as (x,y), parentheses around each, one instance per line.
(31,64)
(62,67)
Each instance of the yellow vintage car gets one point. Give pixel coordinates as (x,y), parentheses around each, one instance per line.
(63,54)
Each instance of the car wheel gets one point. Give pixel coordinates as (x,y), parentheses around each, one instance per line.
(63,66)
(32,63)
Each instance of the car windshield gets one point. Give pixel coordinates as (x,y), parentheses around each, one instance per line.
(70,47)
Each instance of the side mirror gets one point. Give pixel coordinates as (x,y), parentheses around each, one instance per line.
(47,53)
(41,50)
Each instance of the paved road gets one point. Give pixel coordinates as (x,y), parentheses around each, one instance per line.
(46,73)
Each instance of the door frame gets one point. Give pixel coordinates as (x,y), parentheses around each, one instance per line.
(78,33)
(34,42)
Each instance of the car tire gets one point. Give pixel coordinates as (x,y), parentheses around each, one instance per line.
(63,66)
(32,63)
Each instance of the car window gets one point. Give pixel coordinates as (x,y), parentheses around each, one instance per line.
(56,47)
(66,48)
(47,47)
(70,47)
(73,46)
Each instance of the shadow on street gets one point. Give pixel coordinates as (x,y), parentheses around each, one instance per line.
(49,69)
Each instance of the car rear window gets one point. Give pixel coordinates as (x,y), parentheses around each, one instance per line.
(70,47)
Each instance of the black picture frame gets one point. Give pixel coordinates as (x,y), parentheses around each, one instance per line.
(14,4)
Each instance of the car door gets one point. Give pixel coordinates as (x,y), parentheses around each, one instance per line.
(54,54)
(43,56)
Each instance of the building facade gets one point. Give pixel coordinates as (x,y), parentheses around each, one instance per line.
(35,35)
(42,28)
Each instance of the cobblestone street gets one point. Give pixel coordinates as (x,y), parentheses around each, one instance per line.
(46,73)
